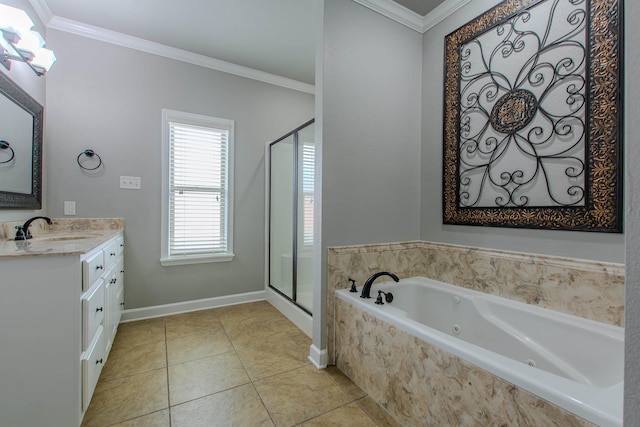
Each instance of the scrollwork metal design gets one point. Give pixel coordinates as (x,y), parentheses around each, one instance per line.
(522,110)
(524,143)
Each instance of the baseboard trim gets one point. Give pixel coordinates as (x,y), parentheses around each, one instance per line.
(318,357)
(299,318)
(187,306)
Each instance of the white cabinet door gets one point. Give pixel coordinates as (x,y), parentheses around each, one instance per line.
(120,291)
(111,287)
(92,268)
(93,312)
(92,364)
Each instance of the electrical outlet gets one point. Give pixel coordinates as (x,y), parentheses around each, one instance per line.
(69,208)
(130,182)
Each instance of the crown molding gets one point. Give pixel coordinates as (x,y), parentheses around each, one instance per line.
(393,10)
(124,40)
(440,13)
(42,10)
(409,18)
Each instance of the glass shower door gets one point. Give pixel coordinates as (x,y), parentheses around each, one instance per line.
(305,199)
(291,205)
(281,206)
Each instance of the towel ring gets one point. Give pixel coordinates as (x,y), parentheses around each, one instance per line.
(89,153)
(4,145)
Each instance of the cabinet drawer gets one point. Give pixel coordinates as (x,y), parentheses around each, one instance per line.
(111,254)
(92,364)
(92,268)
(120,245)
(93,311)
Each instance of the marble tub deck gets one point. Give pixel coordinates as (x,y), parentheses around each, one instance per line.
(242,365)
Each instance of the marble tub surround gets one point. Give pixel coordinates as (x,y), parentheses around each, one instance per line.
(584,288)
(422,385)
(360,262)
(590,289)
(65,236)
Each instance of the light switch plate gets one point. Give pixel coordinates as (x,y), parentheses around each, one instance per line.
(130,182)
(69,208)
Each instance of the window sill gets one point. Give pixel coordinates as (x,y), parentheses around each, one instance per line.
(167,262)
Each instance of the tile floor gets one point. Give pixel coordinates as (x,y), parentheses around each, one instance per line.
(242,365)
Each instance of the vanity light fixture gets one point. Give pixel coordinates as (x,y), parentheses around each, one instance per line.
(20,43)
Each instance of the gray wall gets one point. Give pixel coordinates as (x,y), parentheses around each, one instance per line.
(109,99)
(371,141)
(597,246)
(632,273)
(24,77)
(370,88)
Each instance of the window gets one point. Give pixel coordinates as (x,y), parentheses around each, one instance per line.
(308,174)
(197,188)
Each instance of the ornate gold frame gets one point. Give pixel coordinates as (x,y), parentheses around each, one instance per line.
(604,186)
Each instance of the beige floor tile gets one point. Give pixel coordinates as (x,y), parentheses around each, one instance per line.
(253,312)
(192,322)
(212,355)
(345,384)
(156,419)
(377,413)
(350,415)
(140,332)
(240,406)
(275,359)
(202,377)
(299,395)
(196,346)
(126,398)
(264,335)
(125,361)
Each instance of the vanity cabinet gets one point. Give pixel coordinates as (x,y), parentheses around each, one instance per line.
(59,312)
(102,306)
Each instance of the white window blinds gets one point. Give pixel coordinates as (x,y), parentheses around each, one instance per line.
(308,174)
(199,202)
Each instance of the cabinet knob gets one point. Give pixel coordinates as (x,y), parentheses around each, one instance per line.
(99,309)
(99,361)
(121,245)
(113,281)
(112,254)
(122,303)
(99,267)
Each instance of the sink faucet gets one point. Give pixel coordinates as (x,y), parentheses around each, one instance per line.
(366,289)
(23,232)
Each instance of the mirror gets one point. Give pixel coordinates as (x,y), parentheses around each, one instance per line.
(21,121)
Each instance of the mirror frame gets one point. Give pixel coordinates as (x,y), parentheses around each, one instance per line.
(22,99)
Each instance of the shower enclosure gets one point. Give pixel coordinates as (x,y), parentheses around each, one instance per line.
(290,182)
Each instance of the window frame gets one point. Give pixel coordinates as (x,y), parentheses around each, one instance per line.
(169,116)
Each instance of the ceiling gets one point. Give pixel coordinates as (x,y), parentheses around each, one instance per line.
(274,36)
(421,7)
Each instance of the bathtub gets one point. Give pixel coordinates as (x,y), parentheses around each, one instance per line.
(574,363)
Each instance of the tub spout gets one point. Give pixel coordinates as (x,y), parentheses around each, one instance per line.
(366,289)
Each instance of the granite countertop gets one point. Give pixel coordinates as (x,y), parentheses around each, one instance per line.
(63,237)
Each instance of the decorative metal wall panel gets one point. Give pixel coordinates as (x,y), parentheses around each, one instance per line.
(532,117)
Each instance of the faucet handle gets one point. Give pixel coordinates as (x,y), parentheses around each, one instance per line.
(353,285)
(19,233)
(379,299)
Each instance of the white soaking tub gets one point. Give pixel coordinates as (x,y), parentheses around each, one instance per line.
(574,363)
